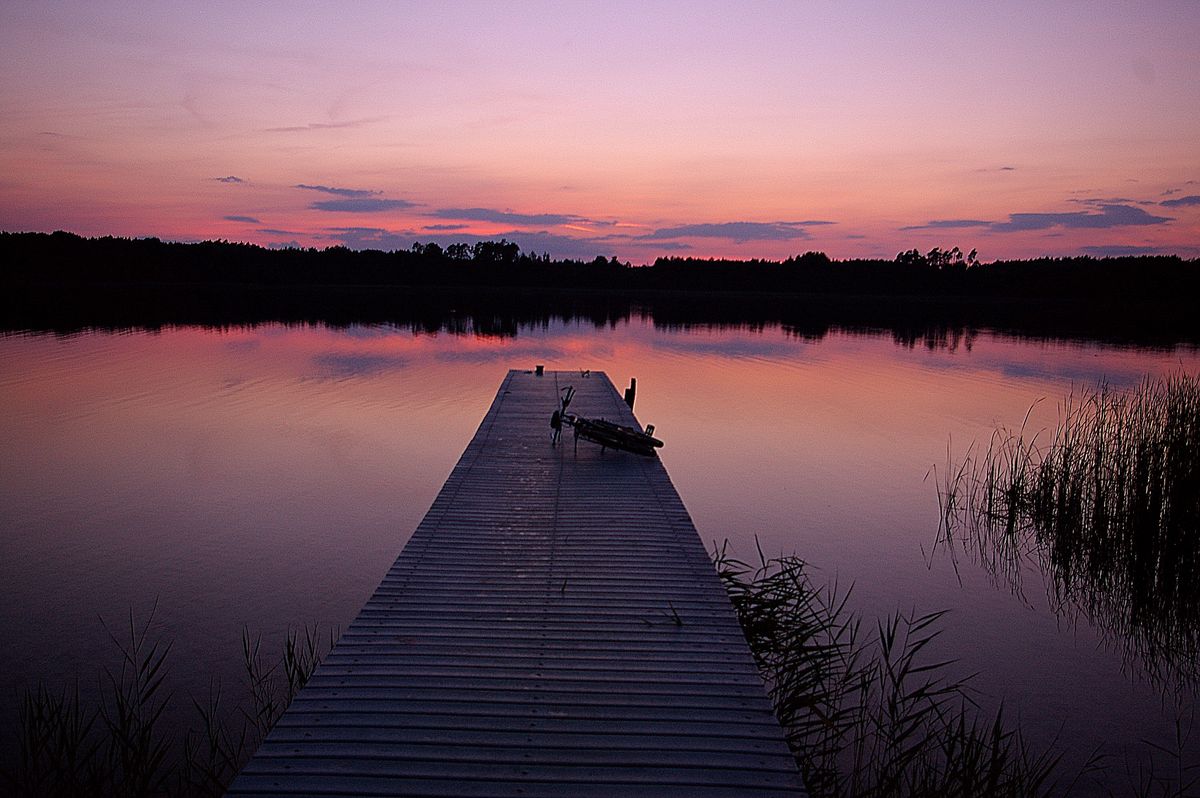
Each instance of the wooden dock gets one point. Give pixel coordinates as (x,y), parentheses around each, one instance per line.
(553,628)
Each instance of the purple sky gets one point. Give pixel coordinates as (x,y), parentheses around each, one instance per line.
(860,129)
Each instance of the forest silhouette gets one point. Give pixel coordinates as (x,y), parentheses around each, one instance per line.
(64,282)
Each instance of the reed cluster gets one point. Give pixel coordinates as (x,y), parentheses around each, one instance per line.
(118,745)
(870,712)
(1108,507)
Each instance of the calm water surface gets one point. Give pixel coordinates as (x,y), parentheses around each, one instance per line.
(268,477)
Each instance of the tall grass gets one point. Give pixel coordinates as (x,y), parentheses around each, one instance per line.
(871,712)
(1108,507)
(120,746)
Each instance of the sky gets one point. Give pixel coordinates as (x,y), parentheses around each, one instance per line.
(643,129)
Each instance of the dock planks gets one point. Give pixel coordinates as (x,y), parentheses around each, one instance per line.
(553,628)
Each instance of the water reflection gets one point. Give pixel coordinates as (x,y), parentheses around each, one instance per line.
(929,322)
(1146,607)
(267,474)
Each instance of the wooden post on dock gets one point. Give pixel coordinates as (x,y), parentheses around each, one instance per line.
(631,392)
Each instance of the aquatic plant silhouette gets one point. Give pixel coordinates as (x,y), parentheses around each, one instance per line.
(873,713)
(870,710)
(1108,508)
(120,746)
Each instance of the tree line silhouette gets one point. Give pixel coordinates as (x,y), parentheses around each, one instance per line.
(67,258)
(63,281)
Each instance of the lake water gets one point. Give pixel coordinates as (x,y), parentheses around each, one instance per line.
(266,477)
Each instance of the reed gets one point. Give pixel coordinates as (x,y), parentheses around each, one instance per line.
(58,753)
(872,713)
(119,745)
(131,713)
(1108,509)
